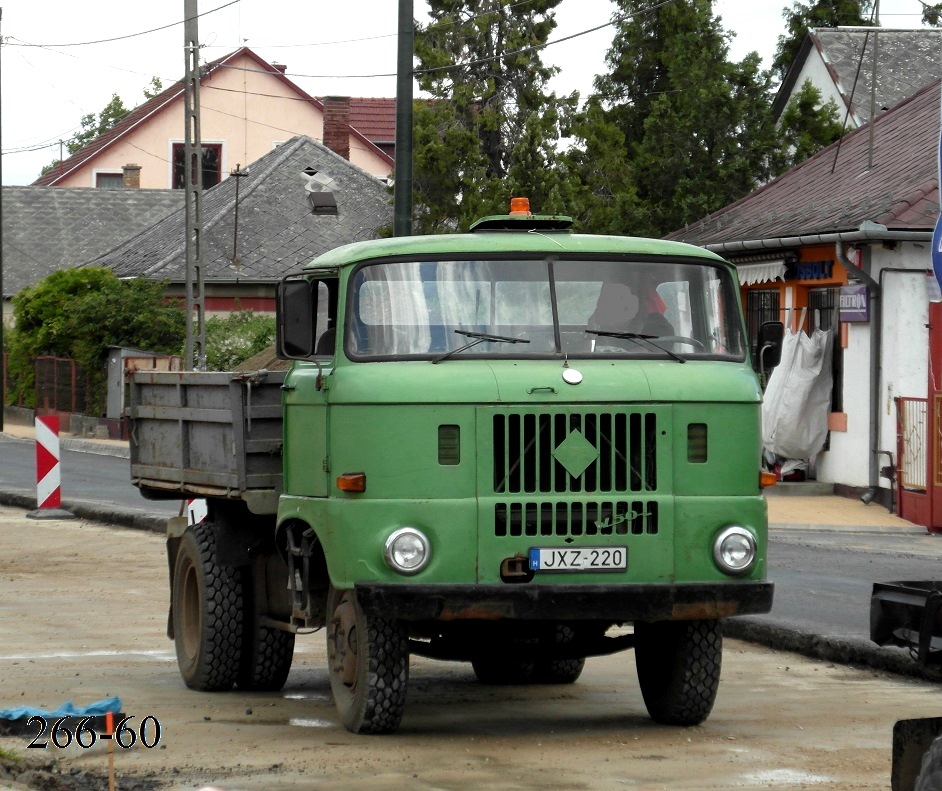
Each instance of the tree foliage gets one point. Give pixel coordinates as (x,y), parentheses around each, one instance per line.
(234,338)
(491,117)
(78,313)
(806,126)
(698,128)
(815,13)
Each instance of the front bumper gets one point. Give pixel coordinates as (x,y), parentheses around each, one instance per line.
(616,603)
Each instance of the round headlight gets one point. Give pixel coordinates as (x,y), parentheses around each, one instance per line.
(734,550)
(407,551)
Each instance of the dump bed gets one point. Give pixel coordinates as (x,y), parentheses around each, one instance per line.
(197,434)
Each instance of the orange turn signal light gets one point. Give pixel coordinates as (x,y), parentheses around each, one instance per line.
(352,482)
(767,479)
(519,206)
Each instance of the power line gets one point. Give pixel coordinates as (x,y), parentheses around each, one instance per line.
(122,38)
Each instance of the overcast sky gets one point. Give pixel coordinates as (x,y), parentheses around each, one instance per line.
(327,46)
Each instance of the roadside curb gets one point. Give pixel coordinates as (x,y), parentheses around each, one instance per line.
(843,651)
(118,449)
(110,516)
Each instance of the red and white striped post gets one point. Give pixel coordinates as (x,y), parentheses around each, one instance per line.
(48,478)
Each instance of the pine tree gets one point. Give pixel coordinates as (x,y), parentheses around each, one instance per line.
(698,128)
(491,110)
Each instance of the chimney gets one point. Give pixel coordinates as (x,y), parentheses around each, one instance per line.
(132,177)
(337,124)
(280,67)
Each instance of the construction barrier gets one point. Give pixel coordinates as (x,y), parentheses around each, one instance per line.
(48,478)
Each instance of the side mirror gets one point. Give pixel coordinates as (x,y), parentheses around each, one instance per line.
(294,319)
(769,347)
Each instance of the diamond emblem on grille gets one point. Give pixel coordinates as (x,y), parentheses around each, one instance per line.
(575,453)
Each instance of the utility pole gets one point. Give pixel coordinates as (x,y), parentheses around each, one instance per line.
(193,189)
(402,190)
(3,361)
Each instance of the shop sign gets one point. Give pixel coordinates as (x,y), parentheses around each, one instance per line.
(855,303)
(813,270)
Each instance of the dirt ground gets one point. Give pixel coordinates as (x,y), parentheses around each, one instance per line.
(83,611)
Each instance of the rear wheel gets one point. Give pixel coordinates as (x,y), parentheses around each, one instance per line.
(559,671)
(206,608)
(266,657)
(368,665)
(679,669)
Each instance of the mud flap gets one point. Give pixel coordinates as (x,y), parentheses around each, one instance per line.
(911,739)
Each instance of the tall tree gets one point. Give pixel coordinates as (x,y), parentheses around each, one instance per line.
(698,128)
(480,61)
(815,13)
(806,126)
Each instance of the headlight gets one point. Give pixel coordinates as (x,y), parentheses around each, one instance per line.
(734,550)
(407,551)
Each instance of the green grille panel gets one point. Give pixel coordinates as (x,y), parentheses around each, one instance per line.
(618,518)
(565,452)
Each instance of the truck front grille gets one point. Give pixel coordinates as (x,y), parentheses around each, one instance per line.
(566,452)
(622,518)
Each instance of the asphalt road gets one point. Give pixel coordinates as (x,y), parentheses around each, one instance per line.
(823,577)
(97,483)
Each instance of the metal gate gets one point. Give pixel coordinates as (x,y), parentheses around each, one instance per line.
(913,494)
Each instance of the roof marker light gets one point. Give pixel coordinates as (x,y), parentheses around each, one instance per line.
(519,207)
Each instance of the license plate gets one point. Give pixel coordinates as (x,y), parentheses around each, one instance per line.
(579,559)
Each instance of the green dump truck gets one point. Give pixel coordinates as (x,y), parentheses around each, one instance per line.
(517,447)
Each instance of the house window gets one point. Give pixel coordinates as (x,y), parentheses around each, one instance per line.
(212,165)
(109,181)
(762,305)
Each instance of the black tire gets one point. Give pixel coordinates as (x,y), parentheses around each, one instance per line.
(679,669)
(266,658)
(368,665)
(559,671)
(930,776)
(206,607)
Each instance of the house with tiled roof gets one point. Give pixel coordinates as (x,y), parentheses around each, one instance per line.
(247,107)
(46,229)
(839,62)
(259,227)
(852,223)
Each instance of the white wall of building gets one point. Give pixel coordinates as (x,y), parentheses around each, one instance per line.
(904,364)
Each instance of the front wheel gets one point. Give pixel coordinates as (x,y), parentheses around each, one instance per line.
(206,606)
(368,665)
(679,669)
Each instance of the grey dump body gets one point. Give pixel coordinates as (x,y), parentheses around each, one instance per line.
(197,434)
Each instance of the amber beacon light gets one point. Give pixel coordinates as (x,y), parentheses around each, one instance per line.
(519,207)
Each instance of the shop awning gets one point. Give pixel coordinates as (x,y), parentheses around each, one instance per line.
(761,272)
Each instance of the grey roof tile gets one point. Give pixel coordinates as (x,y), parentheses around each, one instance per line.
(836,190)
(51,228)
(277,231)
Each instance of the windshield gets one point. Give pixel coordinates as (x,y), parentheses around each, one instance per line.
(660,308)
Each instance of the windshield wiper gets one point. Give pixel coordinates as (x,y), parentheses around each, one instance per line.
(638,338)
(479,337)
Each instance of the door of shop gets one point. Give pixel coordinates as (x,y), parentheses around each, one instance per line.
(919,441)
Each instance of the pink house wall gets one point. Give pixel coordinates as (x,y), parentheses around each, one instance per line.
(248,112)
